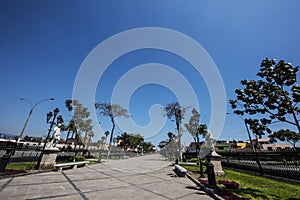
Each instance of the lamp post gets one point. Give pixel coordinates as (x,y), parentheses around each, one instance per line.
(198,147)
(59,121)
(32,106)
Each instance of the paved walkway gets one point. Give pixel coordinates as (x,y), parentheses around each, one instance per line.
(145,177)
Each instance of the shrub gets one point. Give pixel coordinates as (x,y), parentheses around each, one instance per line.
(227,195)
(79,158)
(12,171)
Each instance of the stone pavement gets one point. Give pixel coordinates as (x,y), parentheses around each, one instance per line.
(145,177)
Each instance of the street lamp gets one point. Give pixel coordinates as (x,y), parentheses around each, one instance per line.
(32,106)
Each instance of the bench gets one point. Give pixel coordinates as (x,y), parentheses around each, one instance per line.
(180,171)
(71,164)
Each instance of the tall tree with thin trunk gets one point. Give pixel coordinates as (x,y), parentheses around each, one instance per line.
(175,110)
(196,129)
(112,111)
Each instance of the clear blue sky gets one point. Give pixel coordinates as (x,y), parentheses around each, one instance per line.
(44,43)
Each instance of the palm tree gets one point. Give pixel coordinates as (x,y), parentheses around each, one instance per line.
(70,128)
(175,110)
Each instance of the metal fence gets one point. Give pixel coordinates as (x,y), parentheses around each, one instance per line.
(280,163)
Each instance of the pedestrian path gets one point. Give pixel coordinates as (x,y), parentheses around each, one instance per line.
(144,177)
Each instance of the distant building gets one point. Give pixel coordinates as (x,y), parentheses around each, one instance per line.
(265,144)
(223,146)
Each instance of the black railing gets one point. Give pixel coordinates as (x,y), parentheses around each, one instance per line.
(280,163)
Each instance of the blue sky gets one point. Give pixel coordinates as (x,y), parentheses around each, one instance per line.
(44,43)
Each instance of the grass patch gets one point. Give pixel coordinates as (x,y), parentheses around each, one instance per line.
(255,187)
(193,168)
(28,166)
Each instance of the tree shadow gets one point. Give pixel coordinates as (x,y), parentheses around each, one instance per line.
(199,191)
(255,193)
(171,175)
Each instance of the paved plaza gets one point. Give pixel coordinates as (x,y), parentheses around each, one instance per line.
(144,177)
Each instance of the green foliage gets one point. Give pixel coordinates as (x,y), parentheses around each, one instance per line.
(129,141)
(147,147)
(21,166)
(171,136)
(271,98)
(193,125)
(193,160)
(285,135)
(258,187)
(79,158)
(255,187)
(80,121)
(193,168)
(175,110)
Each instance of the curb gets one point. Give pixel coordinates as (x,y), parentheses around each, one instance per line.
(205,189)
(25,174)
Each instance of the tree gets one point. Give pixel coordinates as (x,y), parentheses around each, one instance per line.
(285,135)
(272,98)
(80,121)
(129,141)
(147,147)
(171,136)
(175,110)
(102,142)
(196,129)
(26,138)
(70,128)
(162,144)
(87,128)
(112,111)
(90,134)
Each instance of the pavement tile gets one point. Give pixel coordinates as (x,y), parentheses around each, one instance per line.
(168,188)
(99,184)
(144,177)
(124,193)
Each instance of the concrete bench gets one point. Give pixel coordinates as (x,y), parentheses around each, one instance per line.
(71,164)
(180,171)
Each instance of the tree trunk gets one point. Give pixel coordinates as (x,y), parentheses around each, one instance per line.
(111,137)
(84,140)
(67,136)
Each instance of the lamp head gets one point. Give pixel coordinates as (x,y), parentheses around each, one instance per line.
(56,111)
(60,120)
(49,115)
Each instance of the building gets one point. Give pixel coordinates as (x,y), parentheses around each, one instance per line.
(265,144)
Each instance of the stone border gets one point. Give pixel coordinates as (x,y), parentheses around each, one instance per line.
(205,189)
(25,174)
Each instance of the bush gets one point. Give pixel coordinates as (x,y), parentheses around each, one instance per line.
(79,158)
